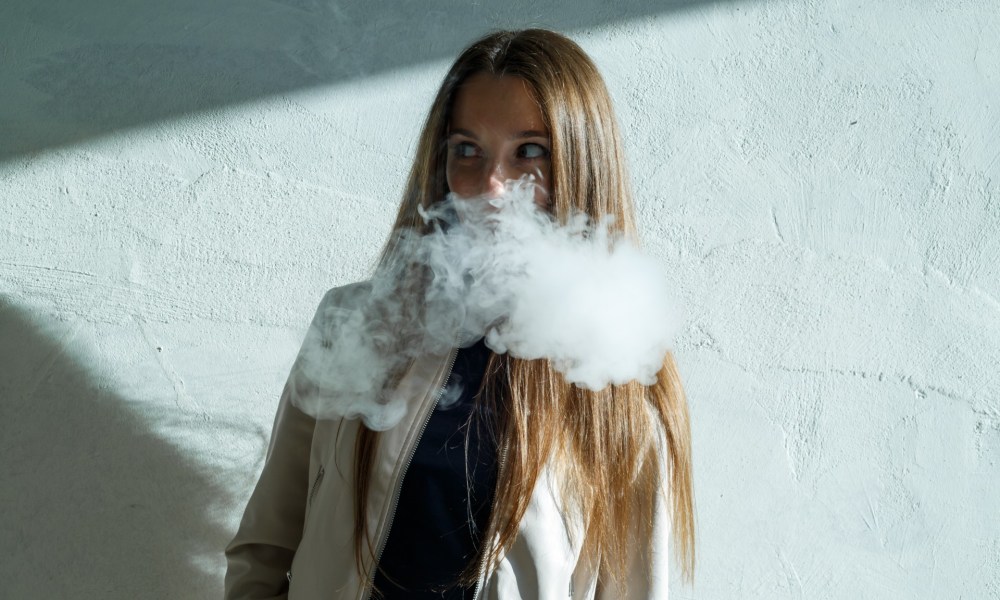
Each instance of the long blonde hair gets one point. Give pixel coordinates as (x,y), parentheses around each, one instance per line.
(604,446)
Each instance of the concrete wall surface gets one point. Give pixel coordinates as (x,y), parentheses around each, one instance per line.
(181,181)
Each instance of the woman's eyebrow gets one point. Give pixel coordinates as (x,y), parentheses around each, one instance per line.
(530,133)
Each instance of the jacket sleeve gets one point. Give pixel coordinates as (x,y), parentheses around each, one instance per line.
(260,555)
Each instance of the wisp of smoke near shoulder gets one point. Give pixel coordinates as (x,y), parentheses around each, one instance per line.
(574,293)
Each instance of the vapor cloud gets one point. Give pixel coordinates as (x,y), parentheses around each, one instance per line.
(588,301)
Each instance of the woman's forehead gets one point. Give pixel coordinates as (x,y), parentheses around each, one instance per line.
(485,104)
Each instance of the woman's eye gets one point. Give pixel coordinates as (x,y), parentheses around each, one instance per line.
(464,150)
(532,151)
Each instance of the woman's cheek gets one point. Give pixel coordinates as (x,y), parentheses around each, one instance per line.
(458,179)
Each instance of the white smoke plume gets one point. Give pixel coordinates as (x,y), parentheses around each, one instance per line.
(588,301)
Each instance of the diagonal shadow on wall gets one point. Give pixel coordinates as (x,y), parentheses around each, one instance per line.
(75,70)
(93,504)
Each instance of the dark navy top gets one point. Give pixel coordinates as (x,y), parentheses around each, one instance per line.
(447,492)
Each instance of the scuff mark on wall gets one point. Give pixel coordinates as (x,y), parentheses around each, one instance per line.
(777,228)
(106,299)
(46,365)
(184,401)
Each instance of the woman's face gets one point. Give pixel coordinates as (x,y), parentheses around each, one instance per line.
(496,134)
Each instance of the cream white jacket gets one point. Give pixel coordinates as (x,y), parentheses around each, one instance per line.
(296,537)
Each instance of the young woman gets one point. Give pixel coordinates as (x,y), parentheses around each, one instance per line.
(527,487)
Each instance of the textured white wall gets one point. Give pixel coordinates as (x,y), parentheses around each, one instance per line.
(179,185)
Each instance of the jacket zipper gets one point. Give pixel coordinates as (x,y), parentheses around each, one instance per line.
(402,476)
(482,560)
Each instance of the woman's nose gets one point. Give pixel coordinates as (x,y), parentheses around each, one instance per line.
(496,180)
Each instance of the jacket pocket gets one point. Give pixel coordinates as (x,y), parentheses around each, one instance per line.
(316,482)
